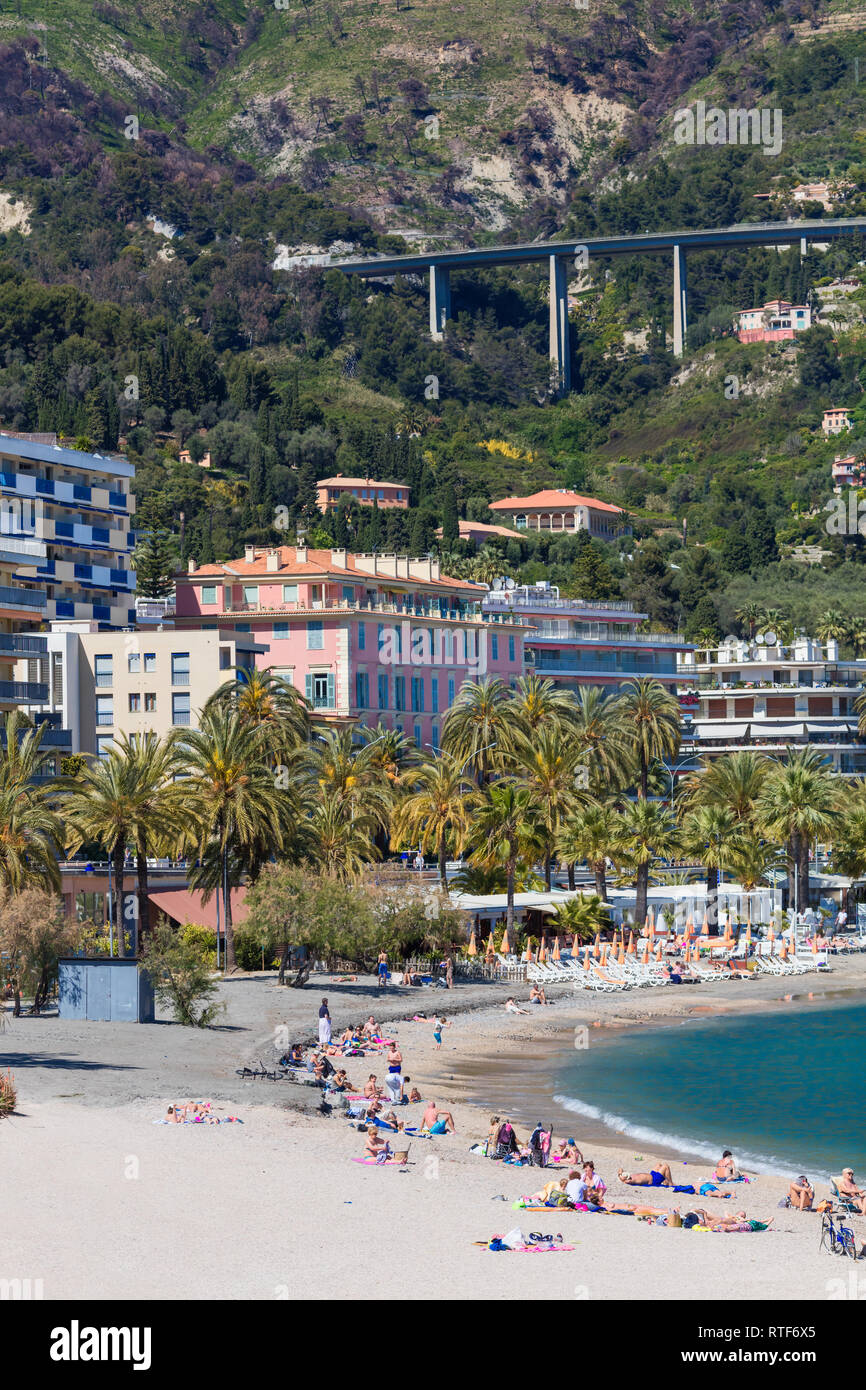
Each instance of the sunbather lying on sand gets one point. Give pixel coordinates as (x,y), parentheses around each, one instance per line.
(660,1177)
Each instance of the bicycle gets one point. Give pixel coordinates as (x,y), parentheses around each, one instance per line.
(839,1240)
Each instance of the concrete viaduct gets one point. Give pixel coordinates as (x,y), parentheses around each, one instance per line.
(562,256)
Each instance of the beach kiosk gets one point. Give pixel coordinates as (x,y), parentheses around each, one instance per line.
(105,989)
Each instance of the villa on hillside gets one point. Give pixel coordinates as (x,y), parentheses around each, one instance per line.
(330,490)
(849,471)
(558,509)
(836,420)
(479,531)
(367,638)
(773,321)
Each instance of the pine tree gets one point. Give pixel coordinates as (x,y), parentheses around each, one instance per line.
(450,521)
(155,565)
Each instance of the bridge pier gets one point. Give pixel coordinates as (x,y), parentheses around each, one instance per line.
(440,300)
(680,301)
(559,339)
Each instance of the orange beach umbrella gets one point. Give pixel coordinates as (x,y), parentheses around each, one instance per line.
(505,948)
(556,952)
(472,949)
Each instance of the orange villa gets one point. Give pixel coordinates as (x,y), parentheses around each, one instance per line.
(330,490)
(558,509)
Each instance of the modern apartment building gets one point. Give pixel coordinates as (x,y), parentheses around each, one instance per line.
(770,697)
(367,490)
(558,509)
(581,642)
(366,638)
(69,514)
(100,684)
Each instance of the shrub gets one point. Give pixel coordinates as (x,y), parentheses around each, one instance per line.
(248,952)
(182,978)
(194,934)
(8,1094)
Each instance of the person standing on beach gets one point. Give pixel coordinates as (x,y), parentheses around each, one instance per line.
(382,969)
(324,1024)
(449,972)
(438,1025)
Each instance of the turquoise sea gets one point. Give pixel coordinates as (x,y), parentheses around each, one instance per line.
(784,1091)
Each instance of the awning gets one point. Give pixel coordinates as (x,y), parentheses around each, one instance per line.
(778,731)
(828,728)
(184,905)
(722,731)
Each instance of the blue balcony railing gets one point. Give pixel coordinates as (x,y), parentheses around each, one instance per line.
(22,598)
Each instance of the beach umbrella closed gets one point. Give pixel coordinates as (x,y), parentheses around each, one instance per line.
(596,950)
(659,952)
(621,956)
(650,921)
(542,951)
(748,933)
(472,949)
(527,954)
(604,954)
(705,929)
(690,925)
(586,959)
(556,952)
(491,945)
(646,955)
(783,954)
(631,945)
(505,948)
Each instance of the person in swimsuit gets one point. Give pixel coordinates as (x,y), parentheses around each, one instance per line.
(657,1177)
(438,1025)
(726,1168)
(375,1145)
(801,1194)
(382,969)
(437,1121)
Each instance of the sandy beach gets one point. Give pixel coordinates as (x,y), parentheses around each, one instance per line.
(108,1203)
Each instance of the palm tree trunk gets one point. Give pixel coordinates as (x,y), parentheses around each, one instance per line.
(571,876)
(642,885)
(118,854)
(231,962)
(443,873)
(793,855)
(712,897)
(509,909)
(600,879)
(644,777)
(803,871)
(548,868)
(143,904)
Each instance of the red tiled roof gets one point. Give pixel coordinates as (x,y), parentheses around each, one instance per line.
(553,497)
(340,481)
(318,564)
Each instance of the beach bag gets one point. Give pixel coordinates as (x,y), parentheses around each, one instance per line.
(675,1219)
(514,1240)
(826,1205)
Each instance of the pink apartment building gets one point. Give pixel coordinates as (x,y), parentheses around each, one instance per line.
(366,638)
(330,490)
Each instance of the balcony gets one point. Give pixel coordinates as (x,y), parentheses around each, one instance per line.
(24,692)
(22,598)
(632,638)
(562,605)
(18,644)
(340,606)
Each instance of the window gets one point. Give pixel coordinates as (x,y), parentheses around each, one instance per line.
(362,689)
(449,644)
(104,744)
(242,627)
(417,735)
(103,668)
(320,689)
(135,704)
(511,648)
(180,668)
(418,694)
(208,594)
(180,709)
(251,594)
(133,661)
(225,658)
(400,692)
(281,630)
(434,738)
(290,593)
(494,645)
(149,702)
(383,692)
(315,637)
(349,593)
(362,637)
(150,661)
(434,694)
(781,705)
(104,711)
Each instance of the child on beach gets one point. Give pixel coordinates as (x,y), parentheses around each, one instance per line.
(438,1025)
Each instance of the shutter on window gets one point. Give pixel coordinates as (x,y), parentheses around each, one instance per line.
(332,699)
(308,687)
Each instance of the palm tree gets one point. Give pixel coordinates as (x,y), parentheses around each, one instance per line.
(713,835)
(733,780)
(503,829)
(771,619)
(583,916)
(798,803)
(598,726)
(351,772)
(648,833)
(235,799)
(22,757)
(343,838)
(832,626)
(97,805)
(749,615)
(157,806)
(590,833)
(650,723)
(549,764)
(537,701)
(436,811)
(478,727)
(267,700)
(706,638)
(30,834)
(754,859)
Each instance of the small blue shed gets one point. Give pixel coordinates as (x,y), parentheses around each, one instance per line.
(105,990)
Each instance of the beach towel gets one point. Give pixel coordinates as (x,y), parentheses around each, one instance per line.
(380,1163)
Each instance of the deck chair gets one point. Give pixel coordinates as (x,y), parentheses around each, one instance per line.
(846,1204)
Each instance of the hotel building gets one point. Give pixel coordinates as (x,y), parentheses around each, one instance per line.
(557,509)
(365,638)
(770,698)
